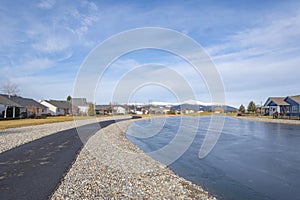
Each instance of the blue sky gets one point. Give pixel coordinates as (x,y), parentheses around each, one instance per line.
(255,45)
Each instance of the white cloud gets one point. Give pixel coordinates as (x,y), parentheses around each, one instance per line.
(267,38)
(260,61)
(52,45)
(46,4)
(85,16)
(51,86)
(37,64)
(26,68)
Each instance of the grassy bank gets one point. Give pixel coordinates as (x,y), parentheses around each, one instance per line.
(5,124)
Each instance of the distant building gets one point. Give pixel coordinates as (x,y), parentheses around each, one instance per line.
(103,109)
(159,111)
(59,107)
(261,109)
(119,110)
(218,109)
(81,104)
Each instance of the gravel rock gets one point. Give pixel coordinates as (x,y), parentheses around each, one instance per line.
(13,137)
(111,167)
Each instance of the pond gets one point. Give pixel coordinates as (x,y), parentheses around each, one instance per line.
(251,160)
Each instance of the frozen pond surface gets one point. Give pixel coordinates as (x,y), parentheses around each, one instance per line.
(251,160)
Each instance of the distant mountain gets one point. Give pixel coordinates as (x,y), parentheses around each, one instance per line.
(201,106)
(189,105)
(194,102)
(225,107)
(168,104)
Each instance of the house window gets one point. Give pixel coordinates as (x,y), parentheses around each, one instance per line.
(287,109)
(58,110)
(294,108)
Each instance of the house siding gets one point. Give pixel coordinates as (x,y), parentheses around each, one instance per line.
(52,109)
(278,105)
(2,110)
(294,107)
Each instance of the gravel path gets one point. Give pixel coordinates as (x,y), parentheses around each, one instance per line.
(13,137)
(111,167)
(279,121)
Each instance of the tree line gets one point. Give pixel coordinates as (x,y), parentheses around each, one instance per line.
(251,108)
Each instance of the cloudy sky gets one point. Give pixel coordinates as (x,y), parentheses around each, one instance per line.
(254,45)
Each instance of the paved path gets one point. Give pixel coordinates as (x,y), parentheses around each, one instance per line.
(34,170)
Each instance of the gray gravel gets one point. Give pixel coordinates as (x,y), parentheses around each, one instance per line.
(111,167)
(13,137)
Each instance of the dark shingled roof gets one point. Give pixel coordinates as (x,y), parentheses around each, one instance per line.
(60,104)
(23,102)
(7,102)
(79,102)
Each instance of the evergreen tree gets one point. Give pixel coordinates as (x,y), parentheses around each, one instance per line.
(242,109)
(251,107)
(69,98)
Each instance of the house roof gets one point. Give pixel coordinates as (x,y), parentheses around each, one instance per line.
(296,98)
(7,102)
(278,101)
(104,107)
(24,102)
(60,103)
(79,102)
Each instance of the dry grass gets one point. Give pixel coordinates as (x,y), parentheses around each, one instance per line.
(30,122)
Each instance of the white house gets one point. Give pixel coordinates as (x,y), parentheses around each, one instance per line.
(119,110)
(58,107)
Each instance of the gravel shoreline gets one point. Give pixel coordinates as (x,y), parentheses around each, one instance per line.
(278,121)
(111,167)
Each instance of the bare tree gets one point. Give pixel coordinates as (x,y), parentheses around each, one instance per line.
(10,88)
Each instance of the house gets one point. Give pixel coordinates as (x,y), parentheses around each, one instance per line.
(276,105)
(25,107)
(81,104)
(294,105)
(119,110)
(159,111)
(103,109)
(58,107)
(218,109)
(7,108)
